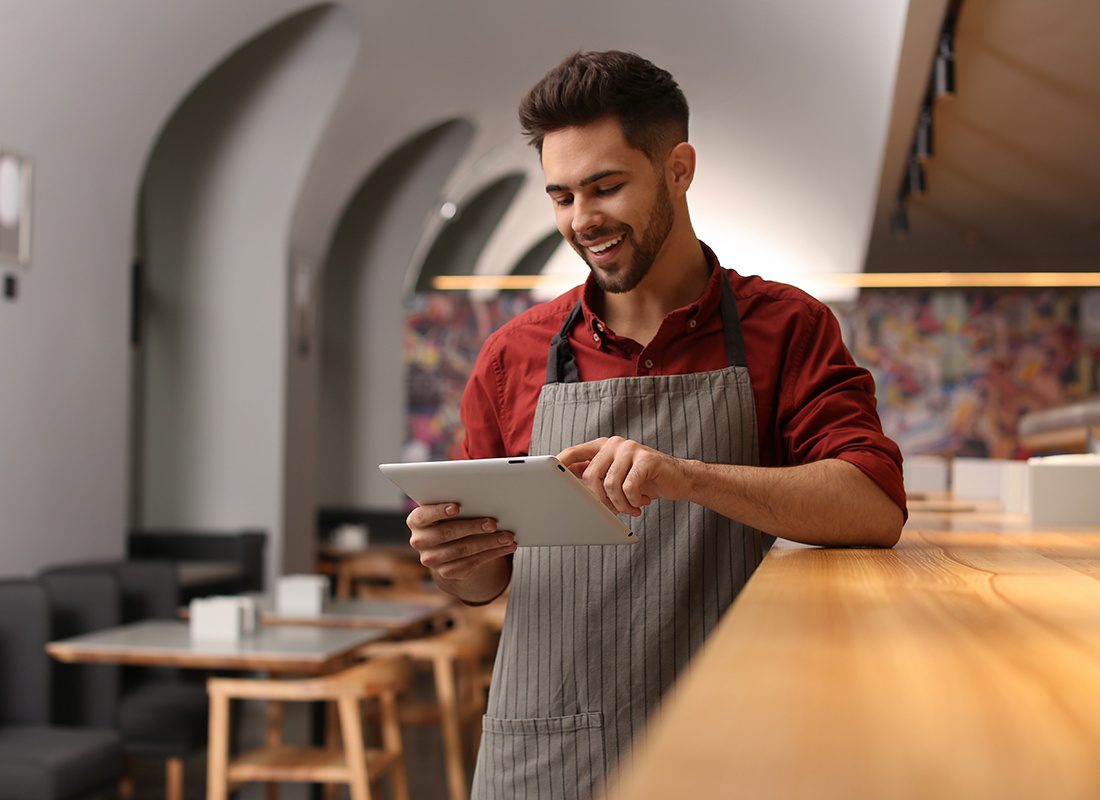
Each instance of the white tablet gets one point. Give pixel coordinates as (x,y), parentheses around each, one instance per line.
(535,497)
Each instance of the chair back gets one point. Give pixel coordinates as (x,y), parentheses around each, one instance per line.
(85,695)
(24,664)
(150,590)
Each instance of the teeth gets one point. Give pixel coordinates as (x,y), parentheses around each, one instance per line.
(599,248)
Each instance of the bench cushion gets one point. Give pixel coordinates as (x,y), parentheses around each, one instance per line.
(43,763)
(164,717)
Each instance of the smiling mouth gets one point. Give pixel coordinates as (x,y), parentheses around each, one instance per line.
(605,250)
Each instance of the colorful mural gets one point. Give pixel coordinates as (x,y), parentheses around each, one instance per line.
(954,369)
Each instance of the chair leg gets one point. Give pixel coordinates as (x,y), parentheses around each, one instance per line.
(173,778)
(391,743)
(351,725)
(452,737)
(126,781)
(217,760)
(273,737)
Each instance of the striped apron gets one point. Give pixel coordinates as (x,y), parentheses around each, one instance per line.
(595,635)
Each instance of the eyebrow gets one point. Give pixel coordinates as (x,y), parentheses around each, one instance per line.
(598,176)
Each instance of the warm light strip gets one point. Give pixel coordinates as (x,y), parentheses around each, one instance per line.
(860,280)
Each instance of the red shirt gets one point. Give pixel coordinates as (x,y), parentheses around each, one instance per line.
(812,401)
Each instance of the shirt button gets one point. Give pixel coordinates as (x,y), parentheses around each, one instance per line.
(649,363)
(595,337)
(599,326)
(692,323)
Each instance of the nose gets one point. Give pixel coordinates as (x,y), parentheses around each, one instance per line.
(586,215)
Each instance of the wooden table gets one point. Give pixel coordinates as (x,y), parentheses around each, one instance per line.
(297,650)
(964,663)
(395,618)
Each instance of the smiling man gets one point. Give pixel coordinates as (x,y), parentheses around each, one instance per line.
(712,407)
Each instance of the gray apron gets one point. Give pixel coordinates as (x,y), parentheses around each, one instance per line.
(595,635)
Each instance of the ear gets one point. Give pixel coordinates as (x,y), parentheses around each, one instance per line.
(680,168)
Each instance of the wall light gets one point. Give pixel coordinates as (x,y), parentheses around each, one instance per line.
(15,208)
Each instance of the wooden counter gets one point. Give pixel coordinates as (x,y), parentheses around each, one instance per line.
(964,663)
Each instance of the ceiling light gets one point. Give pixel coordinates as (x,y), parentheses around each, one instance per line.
(922,143)
(943,73)
(899,218)
(915,176)
(859,280)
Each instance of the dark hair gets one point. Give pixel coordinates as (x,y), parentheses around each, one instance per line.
(588,86)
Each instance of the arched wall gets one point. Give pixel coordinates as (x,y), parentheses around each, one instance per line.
(362,316)
(219,193)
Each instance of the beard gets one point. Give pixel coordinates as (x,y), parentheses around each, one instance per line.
(645,250)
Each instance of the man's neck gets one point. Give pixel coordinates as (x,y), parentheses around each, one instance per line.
(676,279)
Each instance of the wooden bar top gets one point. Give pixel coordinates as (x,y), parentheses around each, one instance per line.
(964,663)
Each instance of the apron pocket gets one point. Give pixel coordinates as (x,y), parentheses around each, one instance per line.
(551,757)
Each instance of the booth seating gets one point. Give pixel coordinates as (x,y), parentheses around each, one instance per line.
(207,562)
(158,712)
(40,760)
(354,763)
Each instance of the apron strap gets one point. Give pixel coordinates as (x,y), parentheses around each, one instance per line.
(561,365)
(731,326)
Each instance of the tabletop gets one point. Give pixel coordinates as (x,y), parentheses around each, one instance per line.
(287,649)
(394,617)
(963,663)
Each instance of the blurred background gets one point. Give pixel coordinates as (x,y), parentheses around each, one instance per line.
(251,249)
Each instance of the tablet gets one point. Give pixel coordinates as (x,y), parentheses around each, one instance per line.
(535,497)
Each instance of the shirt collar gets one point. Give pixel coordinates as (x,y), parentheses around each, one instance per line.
(701,310)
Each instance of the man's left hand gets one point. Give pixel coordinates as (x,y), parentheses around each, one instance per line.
(626,475)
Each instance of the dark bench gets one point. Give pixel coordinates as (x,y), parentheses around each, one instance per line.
(213,562)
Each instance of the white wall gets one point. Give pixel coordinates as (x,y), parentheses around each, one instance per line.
(221,187)
(83,90)
(363,318)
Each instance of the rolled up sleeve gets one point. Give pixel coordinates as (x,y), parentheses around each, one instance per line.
(828,408)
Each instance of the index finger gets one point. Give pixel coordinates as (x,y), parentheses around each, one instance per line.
(423,516)
(581,452)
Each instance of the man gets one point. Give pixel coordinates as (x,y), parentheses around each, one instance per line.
(729,399)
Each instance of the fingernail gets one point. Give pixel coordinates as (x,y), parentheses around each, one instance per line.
(505,539)
(451,510)
(488,525)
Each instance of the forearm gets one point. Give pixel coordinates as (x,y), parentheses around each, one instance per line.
(828,502)
(481,585)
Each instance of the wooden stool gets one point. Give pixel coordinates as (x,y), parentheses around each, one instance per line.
(384,568)
(354,764)
(455,658)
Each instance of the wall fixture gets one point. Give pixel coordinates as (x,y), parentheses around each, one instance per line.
(915,178)
(301,304)
(944,69)
(940,83)
(899,217)
(923,144)
(15,208)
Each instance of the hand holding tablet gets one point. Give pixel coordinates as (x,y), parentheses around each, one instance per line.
(535,497)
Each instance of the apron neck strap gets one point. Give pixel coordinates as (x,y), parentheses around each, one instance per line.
(731,326)
(561,366)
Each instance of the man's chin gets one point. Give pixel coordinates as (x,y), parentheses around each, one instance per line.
(615,281)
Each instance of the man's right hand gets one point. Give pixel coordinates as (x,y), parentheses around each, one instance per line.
(468,557)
